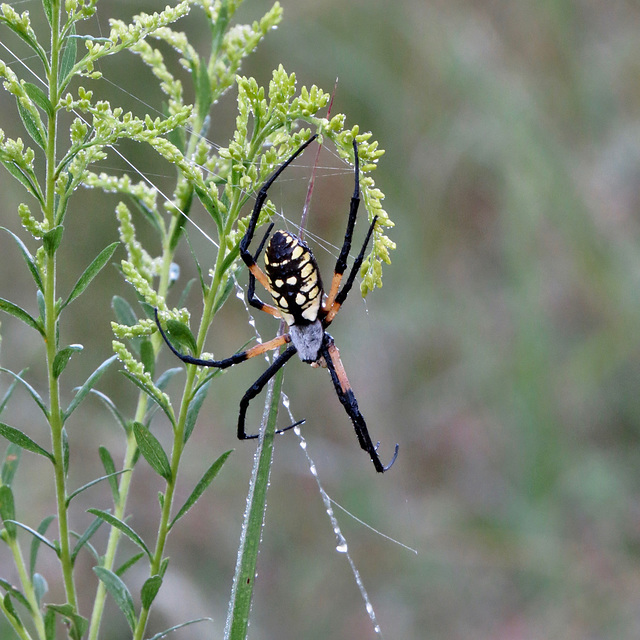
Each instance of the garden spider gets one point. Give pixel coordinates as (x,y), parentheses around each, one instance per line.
(293,280)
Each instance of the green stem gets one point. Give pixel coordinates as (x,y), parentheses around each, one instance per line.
(27,586)
(240,604)
(51,323)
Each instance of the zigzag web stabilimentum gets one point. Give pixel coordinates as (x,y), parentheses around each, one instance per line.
(328,247)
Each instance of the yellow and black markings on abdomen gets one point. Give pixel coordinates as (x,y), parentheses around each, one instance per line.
(294,278)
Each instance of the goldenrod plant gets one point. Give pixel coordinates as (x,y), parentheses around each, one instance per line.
(51,164)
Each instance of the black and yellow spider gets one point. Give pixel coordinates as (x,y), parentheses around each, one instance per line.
(293,280)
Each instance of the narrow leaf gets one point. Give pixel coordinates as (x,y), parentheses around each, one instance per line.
(25,177)
(21,314)
(40,537)
(9,588)
(65,452)
(110,468)
(33,125)
(8,511)
(194,409)
(147,356)
(52,239)
(39,97)
(68,59)
(181,335)
(34,394)
(90,382)
(17,437)
(78,624)
(200,488)
(10,611)
(121,526)
(48,10)
(86,536)
(84,487)
(128,563)
(91,272)
(123,311)
(10,464)
(50,615)
(119,592)
(62,358)
(166,632)
(109,403)
(40,587)
(154,394)
(152,451)
(35,543)
(150,590)
(28,258)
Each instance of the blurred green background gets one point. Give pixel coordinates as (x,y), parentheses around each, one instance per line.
(501,353)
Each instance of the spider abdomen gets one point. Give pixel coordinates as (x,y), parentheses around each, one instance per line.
(294,278)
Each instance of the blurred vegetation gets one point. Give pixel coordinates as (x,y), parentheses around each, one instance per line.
(501,353)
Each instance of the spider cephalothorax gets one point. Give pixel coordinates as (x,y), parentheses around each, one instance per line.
(293,280)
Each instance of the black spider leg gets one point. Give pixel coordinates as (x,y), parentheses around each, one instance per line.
(349,402)
(261,199)
(341,263)
(257,387)
(221,364)
(355,269)
(252,298)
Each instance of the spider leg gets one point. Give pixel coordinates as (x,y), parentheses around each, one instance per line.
(257,387)
(252,299)
(341,263)
(236,358)
(343,389)
(257,208)
(334,307)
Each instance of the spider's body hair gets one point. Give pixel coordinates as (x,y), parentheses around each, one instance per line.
(294,280)
(307,339)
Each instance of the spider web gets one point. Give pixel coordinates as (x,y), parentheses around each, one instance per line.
(341,546)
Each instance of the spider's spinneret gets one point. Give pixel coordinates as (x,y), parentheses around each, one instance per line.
(294,278)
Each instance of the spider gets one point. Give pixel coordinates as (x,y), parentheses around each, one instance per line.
(293,279)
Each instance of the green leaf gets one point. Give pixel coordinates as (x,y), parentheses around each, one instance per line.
(34,394)
(154,394)
(62,358)
(48,10)
(35,543)
(51,240)
(25,177)
(9,588)
(39,97)
(110,468)
(17,437)
(10,610)
(221,298)
(212,208)
(21,314)
(90,382)
(68,58)
(8,511)
(33,125)
(119,592)
(50,621)
(152,451)
(78,624)
(194,409)
(128,563)
(147,356)
(181,335)
(121,526)
(40,537)
(150,590)
(200,488)
(91,272)
(166,632)
(203,89)
(40,587)
(123,311)
(86,536)
(33,268)
(84,487)
(10,464)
